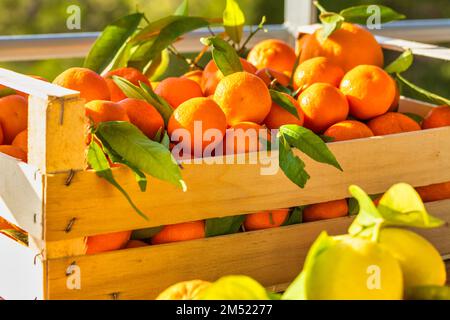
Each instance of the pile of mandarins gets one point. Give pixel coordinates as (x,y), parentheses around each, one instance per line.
(343,93)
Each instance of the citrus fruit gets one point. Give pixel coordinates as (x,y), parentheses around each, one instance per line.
(194,75)
(136,244)
(347,47)
(265,219)
(13,117)
(314,70)
(268,75)
(391,123)
(354,269)
(245,137)
(348,130)
(370,91)
(180,232)
(178,90)
(434,192)
(437,117)
(1,135)
(194,113)
(325,210)
(144,116)
(323,105)
(212,76)
(278,116)
(104,111)
(243,97)
(131,74)
(421,263)
(14,152)
(21,141)
(107,242)
(187,290)
(274,54)
(90,85)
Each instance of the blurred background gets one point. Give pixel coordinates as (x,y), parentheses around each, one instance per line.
(24,17)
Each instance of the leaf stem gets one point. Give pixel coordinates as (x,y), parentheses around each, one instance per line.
(191,63)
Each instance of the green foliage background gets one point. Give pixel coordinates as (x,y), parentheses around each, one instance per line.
(18,17)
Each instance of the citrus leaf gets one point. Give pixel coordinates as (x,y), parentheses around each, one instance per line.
(165,141)
(140,152)
(401,205)
(99,163)
(284,102)
(368,216)
(158,66)
(292,166)
(414,116)
(129,89)
(234,288)
(152,30)
(108,45)
(360,14)
(427,293)
(326,139)
(426,94)
(309,143)
(145,234)
(295,216)
(222,226)
(183,9)
(402,63)
(233,20)
(331,22)
(224,55)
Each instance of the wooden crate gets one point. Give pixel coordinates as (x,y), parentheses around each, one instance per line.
(60,203)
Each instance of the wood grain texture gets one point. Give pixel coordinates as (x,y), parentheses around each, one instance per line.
(274,257)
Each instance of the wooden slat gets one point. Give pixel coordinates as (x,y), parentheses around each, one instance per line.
(21,195)
(223,190)
(273,257)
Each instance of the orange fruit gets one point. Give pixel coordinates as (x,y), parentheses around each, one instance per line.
(21,141)
(434,192)
(348,47)
(274,54)
(246,137)
(325,210)
(265,219)
(315,70)
(212,76)
(136,244)
(144,116)
(107,242)
(90,85)
(268,75)
(13,116)
(187,290)
(323,105)
(1,135)
(370,91)
(194,112)
(178,90)
(104,111)
(396,103)
(194,75)
(180,232)
(391,123)
(348,130)
(243,97)
(437,117)
(130,74)
(279,116)
(14,152)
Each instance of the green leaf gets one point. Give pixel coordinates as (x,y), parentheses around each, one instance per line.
(426,94)
(427,293)
(108,45)
(183,9)
(235,288)
(224,55)
(326,139)
(401,205)
(99,163)
(292,166)
(122,57)
(139,151)
(402,63)
(145,234)
(414,116)
(284,102)
(295,216)
(222,226)
(158,66)
(309,143)
(234,21)
(298,288)
(331,22)
(361,14)
(165,141)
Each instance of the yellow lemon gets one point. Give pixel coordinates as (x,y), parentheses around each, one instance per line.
(187,290)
